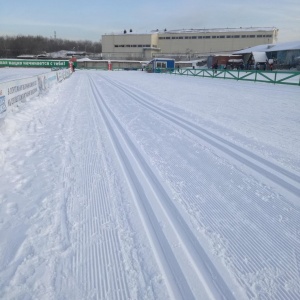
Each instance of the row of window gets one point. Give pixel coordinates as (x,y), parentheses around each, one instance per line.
(134,46)
(193,37)
(213,37)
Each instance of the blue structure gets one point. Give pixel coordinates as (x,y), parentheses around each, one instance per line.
(158,65)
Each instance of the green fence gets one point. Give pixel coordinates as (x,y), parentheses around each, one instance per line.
(275,77)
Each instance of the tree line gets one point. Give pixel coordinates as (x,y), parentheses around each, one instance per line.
(13,46)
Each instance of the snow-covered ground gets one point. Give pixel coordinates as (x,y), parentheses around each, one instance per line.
(9,74)
(129,185)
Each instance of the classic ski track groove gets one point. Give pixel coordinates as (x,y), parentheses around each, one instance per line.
(214,284)
(289,181)
(281,258)
(92,190)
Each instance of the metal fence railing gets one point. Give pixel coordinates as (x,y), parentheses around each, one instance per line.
(275,77)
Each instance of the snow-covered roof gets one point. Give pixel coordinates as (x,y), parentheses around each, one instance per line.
(260,57)
(162,58)
(128,33)
(26,56)
(286,46)
(200,30)
(271,47)
(235,60)
(84,59)
(240,29)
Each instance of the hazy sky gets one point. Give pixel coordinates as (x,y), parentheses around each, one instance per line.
(90,19)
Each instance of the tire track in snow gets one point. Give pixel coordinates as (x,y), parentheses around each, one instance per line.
(285,181)
(147,189)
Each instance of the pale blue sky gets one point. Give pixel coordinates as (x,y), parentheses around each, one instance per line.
(91,19)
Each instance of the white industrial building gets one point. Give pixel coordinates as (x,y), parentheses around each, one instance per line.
(185,43)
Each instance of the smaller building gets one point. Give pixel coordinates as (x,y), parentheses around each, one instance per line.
(282,55)
(158,65)
(222,60)
(86,63)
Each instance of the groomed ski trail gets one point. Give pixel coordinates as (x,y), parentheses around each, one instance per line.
(116,193)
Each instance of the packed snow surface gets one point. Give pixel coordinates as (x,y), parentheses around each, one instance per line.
(9,74)
(129,185)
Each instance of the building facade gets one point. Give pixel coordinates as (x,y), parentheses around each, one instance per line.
(185,43)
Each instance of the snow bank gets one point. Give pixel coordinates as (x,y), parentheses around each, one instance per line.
(14,94)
